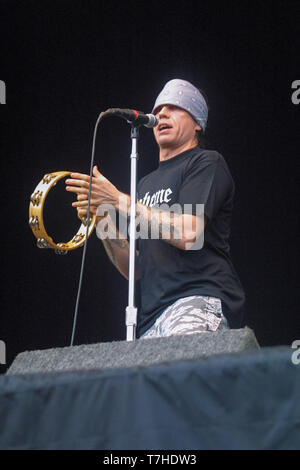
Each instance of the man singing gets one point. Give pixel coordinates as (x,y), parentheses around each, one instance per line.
(187,279)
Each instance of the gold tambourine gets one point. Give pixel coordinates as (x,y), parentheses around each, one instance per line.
(36,222)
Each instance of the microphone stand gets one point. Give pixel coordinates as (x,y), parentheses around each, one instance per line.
(131,310)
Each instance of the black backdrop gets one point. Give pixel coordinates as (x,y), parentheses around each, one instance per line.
(65,61)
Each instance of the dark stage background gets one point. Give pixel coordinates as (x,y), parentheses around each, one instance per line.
(65,61)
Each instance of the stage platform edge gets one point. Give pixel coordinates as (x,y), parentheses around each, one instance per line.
(139,353)
(246,400)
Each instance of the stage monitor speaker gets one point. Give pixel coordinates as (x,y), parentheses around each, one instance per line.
(140,353)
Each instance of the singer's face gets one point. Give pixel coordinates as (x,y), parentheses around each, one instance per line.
(175,128)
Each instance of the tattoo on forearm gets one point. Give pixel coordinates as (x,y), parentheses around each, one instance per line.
(120,242)
(167,225)
(109,250)
(109,244)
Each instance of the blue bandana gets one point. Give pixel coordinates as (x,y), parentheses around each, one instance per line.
(184,95)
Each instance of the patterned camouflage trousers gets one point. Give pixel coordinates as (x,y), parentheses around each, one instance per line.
(189,315)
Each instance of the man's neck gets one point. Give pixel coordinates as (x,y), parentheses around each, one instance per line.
(166,153)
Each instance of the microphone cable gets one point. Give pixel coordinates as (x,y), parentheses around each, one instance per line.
(132,117)
(101,115)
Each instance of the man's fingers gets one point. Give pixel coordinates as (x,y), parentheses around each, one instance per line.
(81,189)
(80,204)
(77,183)
(76,190)
(98,175)
(96,172)
(80,176)
(82,197)
(82,212)
(84,203)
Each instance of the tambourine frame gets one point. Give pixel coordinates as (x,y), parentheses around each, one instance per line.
(36,220)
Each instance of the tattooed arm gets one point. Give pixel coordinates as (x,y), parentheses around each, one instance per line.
(103,192)
(180,230)
(117,249)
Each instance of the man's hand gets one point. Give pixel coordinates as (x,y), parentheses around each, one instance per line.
(185,229)
(82,212)
(102,191)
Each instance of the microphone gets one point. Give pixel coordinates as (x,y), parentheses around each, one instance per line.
(133,116)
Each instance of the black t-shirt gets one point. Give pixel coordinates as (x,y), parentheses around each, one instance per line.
(196,176)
